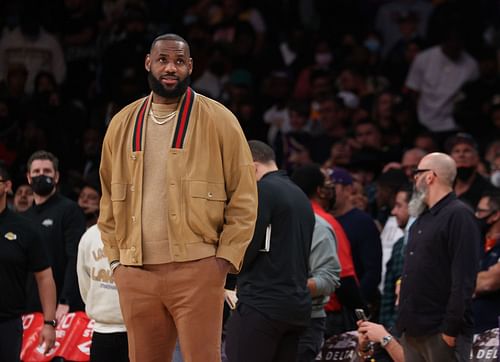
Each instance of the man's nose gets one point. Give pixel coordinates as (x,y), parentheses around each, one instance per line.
(170,67)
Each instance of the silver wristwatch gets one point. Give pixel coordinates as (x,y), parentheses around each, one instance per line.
(385,340)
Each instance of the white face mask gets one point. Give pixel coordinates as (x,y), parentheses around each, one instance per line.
(323,59)
(495,178)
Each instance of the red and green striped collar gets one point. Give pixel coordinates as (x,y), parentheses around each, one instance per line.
(180,129)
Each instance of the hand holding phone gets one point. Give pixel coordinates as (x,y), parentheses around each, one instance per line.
(360,314)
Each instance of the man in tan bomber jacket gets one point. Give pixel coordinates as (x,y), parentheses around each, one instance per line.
(178,209)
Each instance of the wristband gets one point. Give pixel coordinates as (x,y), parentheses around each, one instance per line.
(50,322)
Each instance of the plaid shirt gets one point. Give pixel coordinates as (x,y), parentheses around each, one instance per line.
(394,269)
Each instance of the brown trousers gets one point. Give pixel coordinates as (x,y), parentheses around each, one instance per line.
(162,302)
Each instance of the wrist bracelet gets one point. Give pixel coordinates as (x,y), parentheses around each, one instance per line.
(50,322)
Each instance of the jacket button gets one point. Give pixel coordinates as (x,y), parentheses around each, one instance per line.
(132,248)
(133,218)
(132,188)
(133,157)
(210,194)
(134,260)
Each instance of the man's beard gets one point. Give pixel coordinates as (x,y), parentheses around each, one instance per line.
(158,88)
(417,204)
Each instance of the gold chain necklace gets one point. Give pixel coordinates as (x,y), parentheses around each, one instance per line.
(164,119)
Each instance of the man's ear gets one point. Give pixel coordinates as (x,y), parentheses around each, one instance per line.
(56,177)
(147,63)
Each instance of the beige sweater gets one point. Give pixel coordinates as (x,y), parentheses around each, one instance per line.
(156,247)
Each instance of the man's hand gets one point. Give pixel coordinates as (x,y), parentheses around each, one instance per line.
(61,311)
(450,341)
(47,338)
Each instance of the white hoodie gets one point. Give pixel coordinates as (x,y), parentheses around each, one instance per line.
(96,283)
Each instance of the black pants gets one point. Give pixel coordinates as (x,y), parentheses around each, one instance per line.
(11,339)
(434,349)
(109,347)
(252,337)
(311,340)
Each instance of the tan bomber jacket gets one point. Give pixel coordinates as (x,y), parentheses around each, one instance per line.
(212,192)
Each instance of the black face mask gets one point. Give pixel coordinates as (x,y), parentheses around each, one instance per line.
(464,173)
(483,224)
(42,185)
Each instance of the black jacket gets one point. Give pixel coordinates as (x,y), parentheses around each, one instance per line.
(275,282)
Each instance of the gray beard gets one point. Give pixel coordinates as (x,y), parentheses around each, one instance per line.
(417,204)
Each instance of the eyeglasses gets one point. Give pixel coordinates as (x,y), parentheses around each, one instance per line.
(418,171)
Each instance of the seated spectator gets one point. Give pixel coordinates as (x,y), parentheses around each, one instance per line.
(88,200)
(486,301)
(369,333)
(31,45)
(23,198)
(469,184)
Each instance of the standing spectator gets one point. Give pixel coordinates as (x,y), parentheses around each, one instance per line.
(395,263)
(31,45)
(436,77)
(61,223)
(88,200)
(98,290)
(22,251)
(23,198)
(195,230)
(274,303)
(486,302)
(439,273)
(469,184)
(362,234)
(347,297)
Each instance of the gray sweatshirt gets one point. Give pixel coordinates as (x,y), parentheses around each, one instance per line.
(324,265)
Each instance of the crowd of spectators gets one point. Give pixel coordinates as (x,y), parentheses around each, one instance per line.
(351,83)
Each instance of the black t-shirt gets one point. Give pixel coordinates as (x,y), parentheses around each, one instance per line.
(61,223)
(21,252)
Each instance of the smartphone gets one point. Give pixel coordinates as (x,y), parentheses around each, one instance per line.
(360,314)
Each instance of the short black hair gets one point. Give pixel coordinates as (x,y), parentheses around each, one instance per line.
(494,199)
(261,152)
(43,155)
(408,189)
(170,36)
(308,177)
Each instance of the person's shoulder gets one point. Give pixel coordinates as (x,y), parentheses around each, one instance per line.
(22,222)
(322,224)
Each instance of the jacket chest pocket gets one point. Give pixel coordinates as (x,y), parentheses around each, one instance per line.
(205,209)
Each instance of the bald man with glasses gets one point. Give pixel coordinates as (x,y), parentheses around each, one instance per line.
(441,263)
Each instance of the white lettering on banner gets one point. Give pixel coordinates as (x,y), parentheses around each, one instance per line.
(485,346)
(85,347)
(338,355)
(27,320)
(68,318)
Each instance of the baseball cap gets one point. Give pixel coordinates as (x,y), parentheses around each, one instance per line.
(459,138)
(339,175)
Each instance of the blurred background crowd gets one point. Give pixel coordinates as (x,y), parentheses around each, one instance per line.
(351,83)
